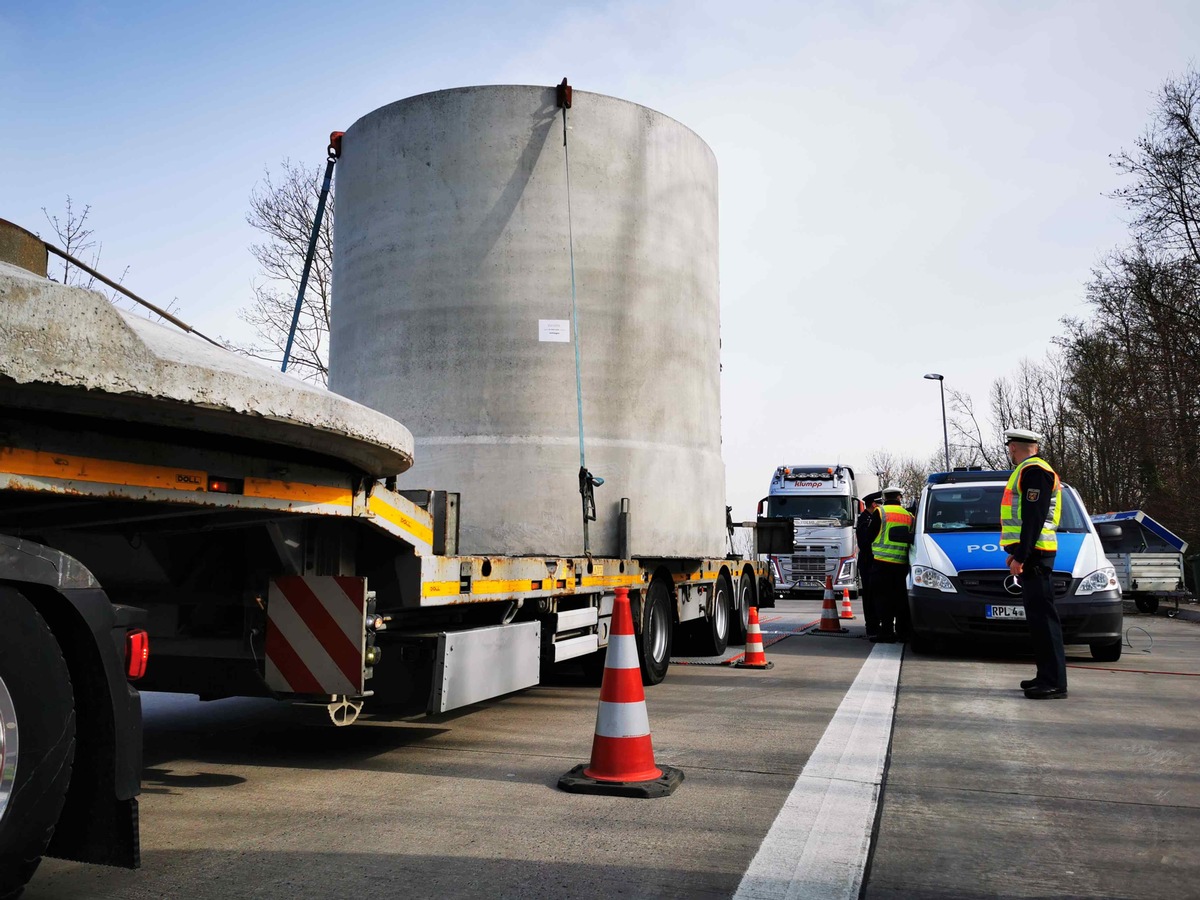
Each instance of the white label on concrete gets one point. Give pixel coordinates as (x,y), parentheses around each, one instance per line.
(557,331)
(818,845)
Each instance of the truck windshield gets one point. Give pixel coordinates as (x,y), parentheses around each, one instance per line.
(977,508)
(804,507)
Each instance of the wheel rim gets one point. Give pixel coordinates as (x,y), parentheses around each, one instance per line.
(658,631)
(744,611)
(8,746)
(721,613)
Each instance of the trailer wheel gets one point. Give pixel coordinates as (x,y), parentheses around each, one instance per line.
(713,633)
(654,644)
(739,622)
(766,593)
(1146,604)
(37,739)
(1106,652)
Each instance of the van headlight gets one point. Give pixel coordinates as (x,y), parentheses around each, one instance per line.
(1101,580)
(925,577)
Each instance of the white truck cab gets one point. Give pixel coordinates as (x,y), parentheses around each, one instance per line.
(822,502)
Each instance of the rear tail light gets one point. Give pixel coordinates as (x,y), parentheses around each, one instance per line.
(137,653)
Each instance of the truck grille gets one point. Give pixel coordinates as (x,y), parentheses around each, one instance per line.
(806,565)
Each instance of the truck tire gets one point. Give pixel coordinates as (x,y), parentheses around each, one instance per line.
(713,632)
(1106,652)
(766,593)
(37,717)
(1146,604)
(654,642)
(739,621)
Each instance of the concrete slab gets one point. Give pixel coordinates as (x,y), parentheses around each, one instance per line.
(68,350)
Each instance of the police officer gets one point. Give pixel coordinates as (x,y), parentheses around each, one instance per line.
(891,534)
(1029,514)
(862,530)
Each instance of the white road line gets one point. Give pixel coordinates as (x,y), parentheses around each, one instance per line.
(818,845)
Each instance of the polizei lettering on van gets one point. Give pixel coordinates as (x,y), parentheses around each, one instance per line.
(986,548)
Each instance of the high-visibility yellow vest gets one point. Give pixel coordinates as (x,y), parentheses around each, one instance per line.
(1010,514)
(884,548)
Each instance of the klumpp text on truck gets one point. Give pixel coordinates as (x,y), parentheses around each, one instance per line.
(960,586)
(179,516)
(822,502)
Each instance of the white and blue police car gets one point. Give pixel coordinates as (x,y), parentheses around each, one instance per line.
(960,587)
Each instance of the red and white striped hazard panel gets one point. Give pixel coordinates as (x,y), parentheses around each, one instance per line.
(316,627)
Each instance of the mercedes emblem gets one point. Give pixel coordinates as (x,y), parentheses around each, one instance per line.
(1012,584)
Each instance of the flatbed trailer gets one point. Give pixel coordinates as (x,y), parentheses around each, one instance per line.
(130,507)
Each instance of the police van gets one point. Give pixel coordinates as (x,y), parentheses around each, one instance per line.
(960,586)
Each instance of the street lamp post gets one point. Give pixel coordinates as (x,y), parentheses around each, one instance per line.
(945,433)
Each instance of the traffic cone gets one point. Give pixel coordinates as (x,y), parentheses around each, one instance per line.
(622,756)
(754,657)
(847,609)
(829,612)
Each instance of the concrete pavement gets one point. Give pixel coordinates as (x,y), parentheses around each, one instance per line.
(985,793)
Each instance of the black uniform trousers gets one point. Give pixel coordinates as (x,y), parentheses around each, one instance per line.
(871,615)
(1045,628)
(890,596)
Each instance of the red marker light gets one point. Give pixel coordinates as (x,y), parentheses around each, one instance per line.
(137,653)
(226,485)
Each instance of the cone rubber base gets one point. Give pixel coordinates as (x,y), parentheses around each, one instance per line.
(742,664)
(576,782)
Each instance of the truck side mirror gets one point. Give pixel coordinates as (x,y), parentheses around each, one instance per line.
(761,504)
(1110,532)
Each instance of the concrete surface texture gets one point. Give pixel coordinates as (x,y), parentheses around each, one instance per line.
(992,795)
(67,349)
(451,251)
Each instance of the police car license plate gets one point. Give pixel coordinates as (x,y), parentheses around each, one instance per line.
(1006,612)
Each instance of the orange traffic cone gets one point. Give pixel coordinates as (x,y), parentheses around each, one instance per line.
(622,756)
(754,657)
(847,609)
(829,613)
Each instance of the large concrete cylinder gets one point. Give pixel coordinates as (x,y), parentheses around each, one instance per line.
(452,276)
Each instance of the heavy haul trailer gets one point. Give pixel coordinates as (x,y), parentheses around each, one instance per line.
(248,524)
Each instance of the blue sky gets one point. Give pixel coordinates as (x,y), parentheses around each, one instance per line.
(913,177)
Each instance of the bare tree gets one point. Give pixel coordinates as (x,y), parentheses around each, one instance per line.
(907,472)
(77,238)
(1165,165)
(283,208)
(970,439)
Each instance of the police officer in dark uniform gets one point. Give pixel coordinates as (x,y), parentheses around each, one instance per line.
(1029,515)
(891,534)
(862,530)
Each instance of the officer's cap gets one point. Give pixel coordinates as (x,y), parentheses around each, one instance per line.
(893,489)
(873,498)
(1021,436)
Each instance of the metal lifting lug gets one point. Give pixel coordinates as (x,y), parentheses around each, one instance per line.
(335,144)
(563,95)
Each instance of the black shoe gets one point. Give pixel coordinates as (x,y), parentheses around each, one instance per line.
(1045,692)
(1031,683)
